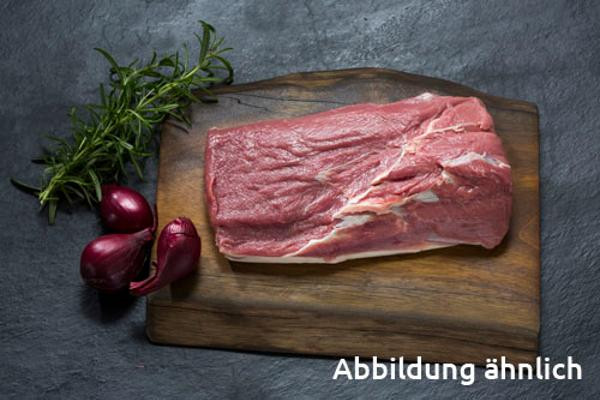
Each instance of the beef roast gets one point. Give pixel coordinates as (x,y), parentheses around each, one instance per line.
(359,181)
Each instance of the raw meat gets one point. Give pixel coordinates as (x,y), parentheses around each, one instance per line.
(359,181)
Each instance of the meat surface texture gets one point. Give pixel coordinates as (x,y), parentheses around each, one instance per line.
(359,181)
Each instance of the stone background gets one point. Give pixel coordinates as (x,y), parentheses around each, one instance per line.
(58,339)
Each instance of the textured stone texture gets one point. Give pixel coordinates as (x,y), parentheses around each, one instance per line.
(60,340)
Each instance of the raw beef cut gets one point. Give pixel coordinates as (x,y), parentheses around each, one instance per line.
(359,181)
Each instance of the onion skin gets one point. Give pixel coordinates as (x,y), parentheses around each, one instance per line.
(110,262)
(178,252)
(124,210)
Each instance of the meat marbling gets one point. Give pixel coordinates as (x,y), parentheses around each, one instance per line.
(359,181)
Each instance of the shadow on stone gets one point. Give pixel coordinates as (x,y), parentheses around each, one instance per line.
(105,308)
(138,333)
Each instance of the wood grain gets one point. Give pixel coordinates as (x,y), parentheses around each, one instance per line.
(460,304)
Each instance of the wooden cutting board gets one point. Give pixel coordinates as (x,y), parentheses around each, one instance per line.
(460,304)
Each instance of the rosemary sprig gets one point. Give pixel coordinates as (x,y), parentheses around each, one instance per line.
(119,130)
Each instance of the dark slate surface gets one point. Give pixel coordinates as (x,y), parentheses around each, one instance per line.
(59,340)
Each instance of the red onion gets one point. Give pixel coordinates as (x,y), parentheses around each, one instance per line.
(110,262)
(122,209)
(178,252)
